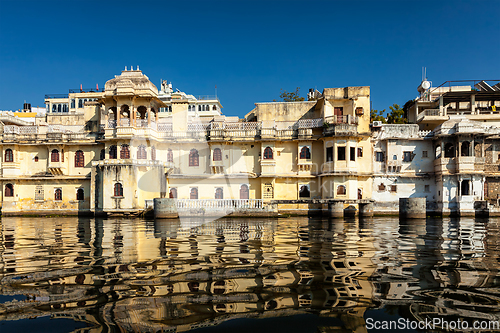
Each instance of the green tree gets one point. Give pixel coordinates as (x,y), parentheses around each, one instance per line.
(397,115)
(293,96)
(376,115)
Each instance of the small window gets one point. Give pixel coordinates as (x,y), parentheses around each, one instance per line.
(407,156)
(217,154)
(305,153)
(329,154)
(153,153)
(379,156)
(244,192)
(112,152)
(381,187)
(9,190)
(393,188)
(142,153)
(173,193)
(193,194)
(424,153)
(124,152)
(341,153)
(79,159)
(427,188)
(102,155)
(394,157)
(170,156)
(219,193)
(80,103)
(36,158)
(118,190)
(304,192)
(360,152)
(341,190)
(79,194)
(54,155)
(268,153)
(9,156)
(194,158)
(352,154)
(58,194)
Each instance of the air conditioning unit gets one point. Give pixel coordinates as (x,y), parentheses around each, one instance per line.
(376,124)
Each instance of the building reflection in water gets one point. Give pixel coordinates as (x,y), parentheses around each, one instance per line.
(164,275)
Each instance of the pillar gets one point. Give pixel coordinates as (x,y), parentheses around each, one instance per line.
(473,104)
(148,113)
(412,208)
(336,209)
(165,208)
(365,209)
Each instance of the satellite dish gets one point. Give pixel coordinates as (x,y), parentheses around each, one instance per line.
(426,84)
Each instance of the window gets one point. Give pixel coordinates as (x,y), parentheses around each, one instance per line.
(79,194)
(341,190)
(153,153)
(427,188)
(193,194)
(58,194)
(194,158)
(379,157)
(352,153)
(449,150)
(36,158)
(142,153)
(393,188)
(381,187)
(9,156)
(360,193)
(72,103)
(304,192)
(173,193)
(170,156)
(268,153)
(329,154)
(54,155)
(407,156)
(9,190)
(219,193)
(360,152)
(80,103)
(394,157)
(424,153)
(244,192)
(217,155)
(124,152)
(79,159)
(341,153)
(112,152)
(118,190)
(103,155)
(305,153)
(39,195)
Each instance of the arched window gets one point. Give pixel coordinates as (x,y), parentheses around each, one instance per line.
(170,155)
(153,153)
(80,103)
(305,153)
(199,107)
(219,193)
(268,153)
(103,155)
(142,153)
(304,192)
(465,149)
(79,194)
(194,158)
(360,194)
(173,193)
(58,194)
(124,152)
(244,192)
(118,190)
(449,150)
(79,159)
(9,156)
(9,190)
(112,152)
(193,194)
(217,154)
(54,155)
(215,107)
(341,190)
(36,158)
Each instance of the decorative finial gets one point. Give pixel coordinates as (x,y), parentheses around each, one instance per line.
(137,67)
(125,68)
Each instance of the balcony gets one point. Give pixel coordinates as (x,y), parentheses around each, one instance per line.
(340,129)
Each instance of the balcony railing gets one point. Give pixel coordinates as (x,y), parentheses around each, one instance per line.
(428,112)
(228,204)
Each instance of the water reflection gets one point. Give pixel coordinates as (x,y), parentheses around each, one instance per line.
(168,276)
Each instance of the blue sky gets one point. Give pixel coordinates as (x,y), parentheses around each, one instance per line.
(249,49)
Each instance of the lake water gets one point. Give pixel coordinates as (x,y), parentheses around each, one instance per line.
(296,274)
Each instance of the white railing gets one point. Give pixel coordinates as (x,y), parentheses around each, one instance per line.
(124,122)
(28,129)
(344,119)
(423,134)
(111,123)
(310,123)
(226,204)
(11,129)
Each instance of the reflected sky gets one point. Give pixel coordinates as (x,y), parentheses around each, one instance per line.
(296,274)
